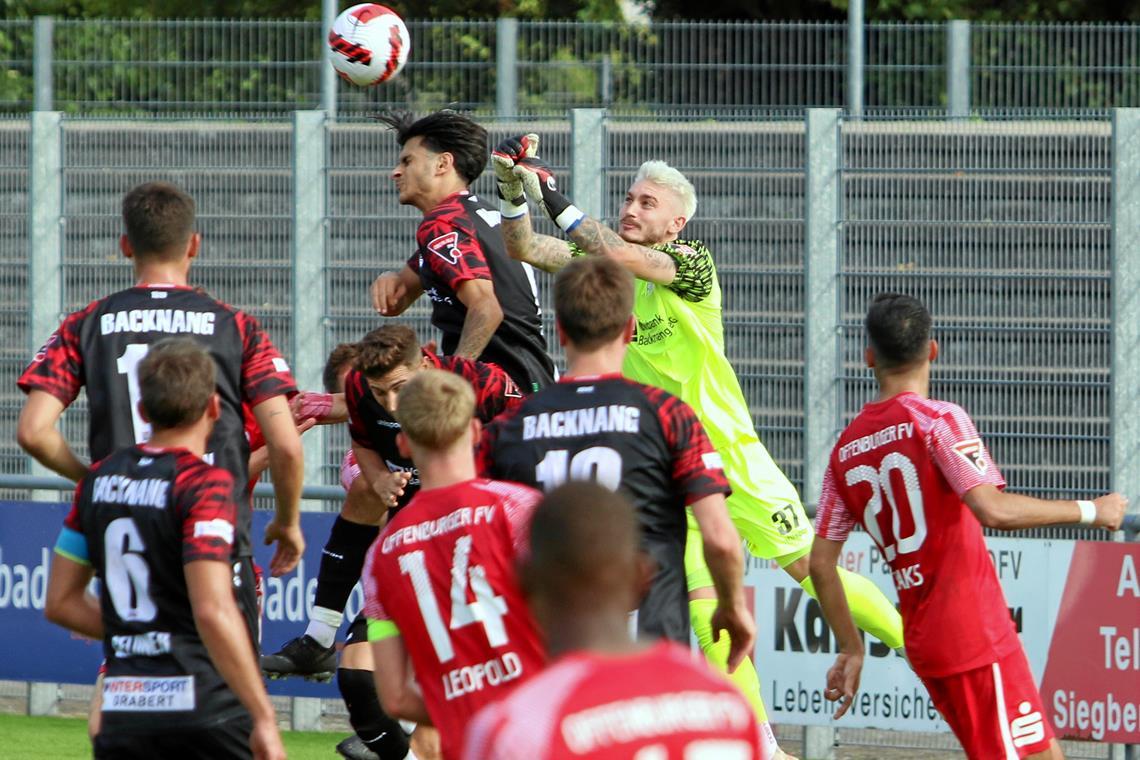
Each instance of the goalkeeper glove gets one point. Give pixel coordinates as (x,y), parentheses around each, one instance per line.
(541,186)
(503,158)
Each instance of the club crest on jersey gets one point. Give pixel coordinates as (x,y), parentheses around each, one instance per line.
(446,247)
(974,453)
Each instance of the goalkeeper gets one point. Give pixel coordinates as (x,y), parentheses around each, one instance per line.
(679,347)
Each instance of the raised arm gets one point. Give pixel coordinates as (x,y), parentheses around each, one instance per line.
(1011,511)
(645,263)
(543,251)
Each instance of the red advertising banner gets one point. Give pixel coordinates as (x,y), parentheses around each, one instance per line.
(1091,685)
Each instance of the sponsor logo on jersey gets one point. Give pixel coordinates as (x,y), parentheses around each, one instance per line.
(645,718)
(1027,729)
(491,217)
(42,353)
(974,453)
(435,297)
(446,247)
(118,489)
(173,321)
(280,364)
(712,460)
(154,694)
(217,528)
(149,644)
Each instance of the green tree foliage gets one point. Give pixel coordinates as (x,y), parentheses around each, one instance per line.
(901,10)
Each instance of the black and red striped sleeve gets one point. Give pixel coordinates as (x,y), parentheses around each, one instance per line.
(354,389)
(451,248)
(485,450)
(204,495)
(495,391)
(58,368)
(697,468)
(264,372)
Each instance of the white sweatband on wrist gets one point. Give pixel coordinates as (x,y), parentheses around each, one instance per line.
(570,218)
(1088,512)
(510,210)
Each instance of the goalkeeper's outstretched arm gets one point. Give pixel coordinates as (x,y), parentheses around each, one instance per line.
(522,175)
(543,251)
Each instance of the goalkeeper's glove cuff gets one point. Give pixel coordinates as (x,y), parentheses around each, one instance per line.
(569,218)
(513,209)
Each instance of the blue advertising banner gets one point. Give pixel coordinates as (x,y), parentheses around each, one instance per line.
(36,650)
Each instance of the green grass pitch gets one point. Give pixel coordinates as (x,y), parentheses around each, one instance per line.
(26,738)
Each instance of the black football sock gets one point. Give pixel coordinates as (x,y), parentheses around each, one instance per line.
(380,733)
(341,562)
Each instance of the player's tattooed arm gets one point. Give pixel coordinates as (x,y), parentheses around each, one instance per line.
(645,263)
(484,315)
(543,251)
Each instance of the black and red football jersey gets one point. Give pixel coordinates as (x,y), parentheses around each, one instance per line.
(626,436)
(100,348)
(460,240)
(372,427)
(145,513)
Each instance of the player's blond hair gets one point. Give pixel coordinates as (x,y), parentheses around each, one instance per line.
(435,407)
(664,175)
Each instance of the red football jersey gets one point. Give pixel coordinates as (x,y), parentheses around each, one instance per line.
(901,468)
(658,704)
(443,572)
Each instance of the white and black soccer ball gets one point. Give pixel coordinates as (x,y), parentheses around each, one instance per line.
(369,44)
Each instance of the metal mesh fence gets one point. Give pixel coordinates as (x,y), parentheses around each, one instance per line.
(240,175)
(204,65)
(1090,66)
(1003,231)
(259,66)
(16,343)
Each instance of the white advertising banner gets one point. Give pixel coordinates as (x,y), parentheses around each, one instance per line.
(1076,606)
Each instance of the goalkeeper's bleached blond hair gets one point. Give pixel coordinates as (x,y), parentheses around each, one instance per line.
(664,175)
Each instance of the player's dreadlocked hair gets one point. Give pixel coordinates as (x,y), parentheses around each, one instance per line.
(898,327)
(386,348)
(444,132)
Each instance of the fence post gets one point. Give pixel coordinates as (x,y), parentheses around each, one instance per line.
(958,69)
(587,150)
(1124,462)
(506,66)
(606,86)
(45,237)
(328,73)
(305,714)
(309,219)
(1124,468)
(43,32)
(855,37)
(43,698)
(821,320)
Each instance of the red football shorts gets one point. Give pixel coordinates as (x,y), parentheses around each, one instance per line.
(995,710)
